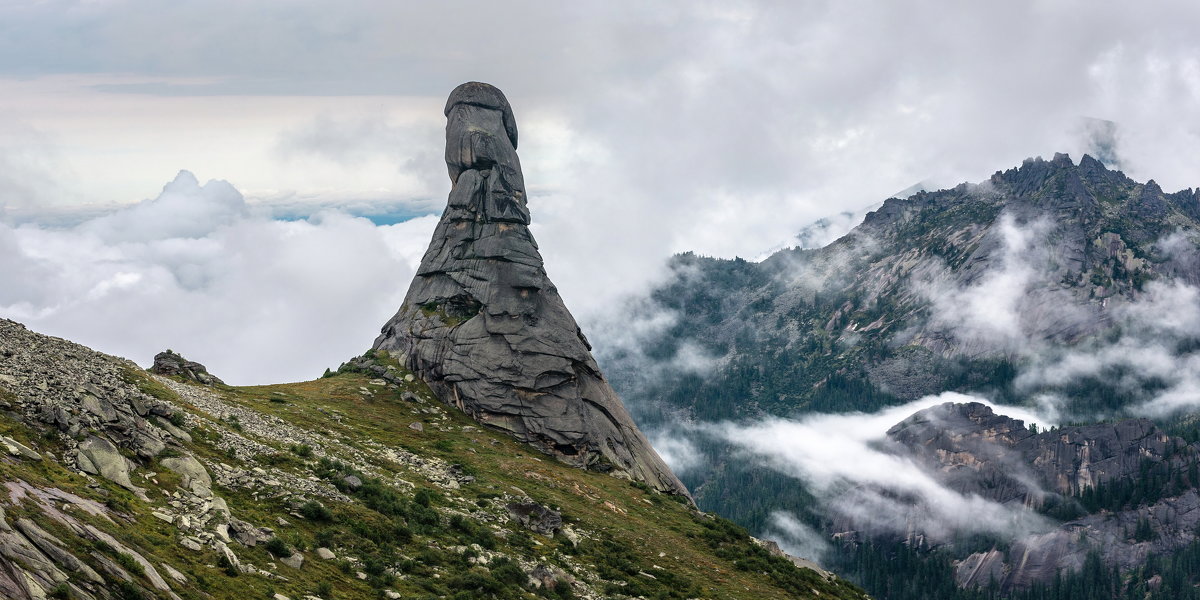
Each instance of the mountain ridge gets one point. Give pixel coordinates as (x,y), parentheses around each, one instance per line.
(1062,287)
(856,314)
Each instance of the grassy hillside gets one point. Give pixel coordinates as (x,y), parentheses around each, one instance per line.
(411,498)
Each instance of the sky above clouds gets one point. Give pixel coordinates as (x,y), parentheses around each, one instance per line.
(646,129)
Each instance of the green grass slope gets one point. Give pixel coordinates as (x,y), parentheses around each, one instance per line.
(409,496)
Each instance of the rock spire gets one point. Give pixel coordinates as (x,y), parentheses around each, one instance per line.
(485,327)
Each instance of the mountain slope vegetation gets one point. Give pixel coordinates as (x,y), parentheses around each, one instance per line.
(122,484)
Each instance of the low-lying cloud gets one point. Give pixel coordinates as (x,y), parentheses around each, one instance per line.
(1153,358)
(795,537)
(1143,344)
(1013,305)
(200,271)
(989,310)
(846,461)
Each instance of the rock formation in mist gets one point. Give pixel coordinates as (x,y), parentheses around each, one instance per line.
(1124,490)
(485,327)
(939,290)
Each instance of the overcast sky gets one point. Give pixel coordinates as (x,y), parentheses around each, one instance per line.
(646,129)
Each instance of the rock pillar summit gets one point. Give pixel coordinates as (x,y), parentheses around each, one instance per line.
(485,327)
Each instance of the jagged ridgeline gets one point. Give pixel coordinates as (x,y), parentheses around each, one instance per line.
(1056,282)
(485,327)
(886,313)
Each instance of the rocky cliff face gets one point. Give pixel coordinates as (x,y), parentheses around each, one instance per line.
(990,455)
(939,290)
(1128,489)
(986,288)
(483,324)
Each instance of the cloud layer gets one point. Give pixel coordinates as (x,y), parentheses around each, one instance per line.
(846,462)
(1154,357)
(647,129)
(198,270)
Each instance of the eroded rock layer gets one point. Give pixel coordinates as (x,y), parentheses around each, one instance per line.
(1080,475)
(485,327)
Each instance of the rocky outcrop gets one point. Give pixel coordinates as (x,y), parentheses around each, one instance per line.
(485,327)
(977,451)
(535,517)
(173,365)
(99,403)
(973,450)
(104,417)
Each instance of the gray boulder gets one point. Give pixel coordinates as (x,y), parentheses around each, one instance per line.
(247,534)
(483,325)
(535,517)
(173,365)
(99,456)
(295,560)
(194,476)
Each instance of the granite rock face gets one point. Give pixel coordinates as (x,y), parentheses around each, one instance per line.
(485,327)
(171,364)
(976,452)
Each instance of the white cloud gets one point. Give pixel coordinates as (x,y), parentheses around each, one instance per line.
(1146,360)
(184,210)
(989,308)
(999,309)
(845,461)
(195,270)
(796,538)
(1183,393)
(646,129)
(1170,308)
(678,451)
(627,332)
